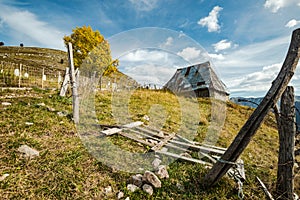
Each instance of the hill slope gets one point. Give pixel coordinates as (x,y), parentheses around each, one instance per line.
(65,169)
(34,56)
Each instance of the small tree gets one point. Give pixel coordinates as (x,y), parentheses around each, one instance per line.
(91,51)
(1,43)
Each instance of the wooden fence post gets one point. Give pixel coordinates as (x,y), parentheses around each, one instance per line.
(253,123)
(20,75)
(286,156)
(74,85)
(43,74)
(65,83)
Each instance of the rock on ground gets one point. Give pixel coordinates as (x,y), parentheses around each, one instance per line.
(162,171)
(148,188)
(137,180)
(156,162)
(28,152)
(151,178)
(132,188)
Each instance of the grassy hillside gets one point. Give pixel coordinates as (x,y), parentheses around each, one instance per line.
(65,169)
(34,56)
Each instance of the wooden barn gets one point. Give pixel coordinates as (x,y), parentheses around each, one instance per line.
(198,80)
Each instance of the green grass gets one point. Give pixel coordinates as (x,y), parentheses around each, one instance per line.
(66,170)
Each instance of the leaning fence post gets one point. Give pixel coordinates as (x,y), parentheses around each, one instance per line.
(73,84)
(246,133)
(286,155)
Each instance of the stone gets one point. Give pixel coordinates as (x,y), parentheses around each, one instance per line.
(4,176)
(146,117)
(156,162)
(6,104)
(29,123)
(148,188)
(132,188)
(62,114)
(41,104)
(151,178)
(108,190)
(50,109)
(137,180)
(28,152)
(162,171)
(120,195)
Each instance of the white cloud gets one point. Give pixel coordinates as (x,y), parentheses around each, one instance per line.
(168,42)
(190,53)
(222,45)
(216,56)
(275,5)
(144,55)
(152,66)
(150,73)
(211,21)
(256,82)
(144,5)
(292,23)
(24,23)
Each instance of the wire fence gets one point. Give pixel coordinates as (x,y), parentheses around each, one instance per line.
(21,75)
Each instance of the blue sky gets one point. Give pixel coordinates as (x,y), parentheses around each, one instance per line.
(246,40)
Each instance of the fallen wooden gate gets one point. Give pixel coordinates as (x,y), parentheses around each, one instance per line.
(161,142)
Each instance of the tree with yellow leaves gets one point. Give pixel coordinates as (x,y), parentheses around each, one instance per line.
(91,51)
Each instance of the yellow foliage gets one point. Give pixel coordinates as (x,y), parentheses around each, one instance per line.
(91,51)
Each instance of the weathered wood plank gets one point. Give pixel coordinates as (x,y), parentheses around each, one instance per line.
(246,133)
(145,135)
(286,155)
(184,158)
(149,132)
(198,148)
(111,131)
(163,142)
(133,124)
(130,136)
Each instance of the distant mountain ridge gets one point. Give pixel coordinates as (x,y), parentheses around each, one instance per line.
(254,102)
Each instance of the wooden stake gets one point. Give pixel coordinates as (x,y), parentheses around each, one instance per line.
(253,123)
(20,75)
(73,84)
(43,73)
(286,156)
(65,83)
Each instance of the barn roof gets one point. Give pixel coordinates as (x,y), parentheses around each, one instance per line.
(196,77)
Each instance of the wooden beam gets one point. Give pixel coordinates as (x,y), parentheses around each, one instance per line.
(197,148)
(246,133)
(181,157)
(163,142)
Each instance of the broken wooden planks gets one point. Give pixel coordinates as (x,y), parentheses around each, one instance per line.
(157,140)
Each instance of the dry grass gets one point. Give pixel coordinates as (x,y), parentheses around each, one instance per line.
(65,169)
